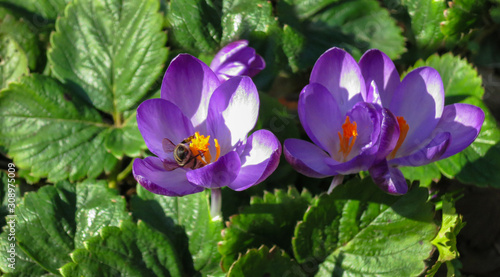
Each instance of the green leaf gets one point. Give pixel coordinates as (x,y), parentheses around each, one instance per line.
(128,250)
(195,24)
(304,9)
(113,50)
(265,262)
(13,61)
(49,9)
(20,31)
(19,265)
(9,194)
(446,239)
(460,79)
(252,16)
(426,17)
(360,230)
(55,220)
(127,139)
(178,217)
(254,20)
(478,163)
(293,44)
(462,16)
(369,24)
(51,131)
(267,221)
(425,174)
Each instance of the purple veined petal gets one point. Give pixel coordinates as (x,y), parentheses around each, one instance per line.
(218,174)
(377,67)
(389,179)
(189,84)
(367,120)
(151,174)
(307,158)
(428,154)
(233,112)
(227,52)
(230,70)
(257,65)
(373,94)
(356,164)
(463,122)
(420,100)
(340,74)
(389,134)
(158,119)
(321,117)
(259,159)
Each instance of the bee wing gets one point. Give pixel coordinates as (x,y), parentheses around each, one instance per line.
(168,145)
(170,165)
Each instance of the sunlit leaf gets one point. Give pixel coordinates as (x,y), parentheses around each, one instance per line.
(111,50)
(55,220)
(269,220)
(359,230)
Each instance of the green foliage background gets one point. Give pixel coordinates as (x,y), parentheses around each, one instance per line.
(72,74)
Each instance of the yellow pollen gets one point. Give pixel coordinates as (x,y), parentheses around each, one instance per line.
(349,131)
(199,147)
(217,146)
(403,131)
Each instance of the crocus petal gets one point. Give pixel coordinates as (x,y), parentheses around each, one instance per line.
(237,59)
(321,117)
(354,165)
(367,120)
(307,158)
(463,122)
(233,112)
(158,119)
(378,68)
(218,174)
(428,154)
(389,134)
(390,179)
(151,174)
(256,65)
(340,74)
(228,52)
(189,84)
(230,70)
(373,94)
(259,159)
(420,100)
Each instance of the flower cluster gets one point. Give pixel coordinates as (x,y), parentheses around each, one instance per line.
(198,131)
(362,117)
(359,116)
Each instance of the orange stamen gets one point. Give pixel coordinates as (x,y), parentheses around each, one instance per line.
(199,146)
(217,147)
(403,131)
(349,131)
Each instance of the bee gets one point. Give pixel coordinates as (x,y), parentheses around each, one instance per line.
(183,156)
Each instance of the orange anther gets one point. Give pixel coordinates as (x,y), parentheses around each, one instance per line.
(403,131)
(350,130)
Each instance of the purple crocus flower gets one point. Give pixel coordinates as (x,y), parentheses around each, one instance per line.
(428,130)
(198,131)
(237,59)
(348,134)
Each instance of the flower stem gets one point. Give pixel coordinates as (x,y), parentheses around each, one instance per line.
(122,175)
(216,203)
(337,180)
